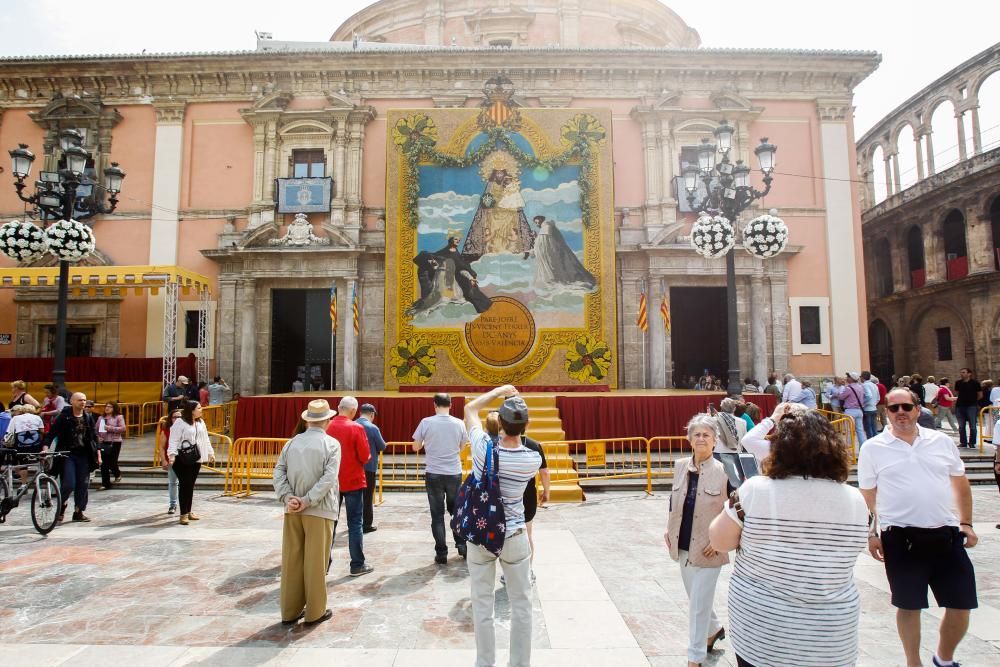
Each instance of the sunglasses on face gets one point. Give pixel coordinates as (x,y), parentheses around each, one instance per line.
(896,407)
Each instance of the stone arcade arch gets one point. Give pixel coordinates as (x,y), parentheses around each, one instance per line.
(883,363)
(955,248)
(915,257)
(995,225)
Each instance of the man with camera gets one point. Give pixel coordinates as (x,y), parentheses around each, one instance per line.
(922,541)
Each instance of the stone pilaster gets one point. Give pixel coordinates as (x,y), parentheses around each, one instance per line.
(934,260)
(657,345)
(350,338)
(979,231)
(781,326)
(226,344)
(758,328)
(246,304)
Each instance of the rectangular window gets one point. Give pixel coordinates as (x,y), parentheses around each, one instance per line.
(943,343)
(309,163)
(809,326)
(191,320)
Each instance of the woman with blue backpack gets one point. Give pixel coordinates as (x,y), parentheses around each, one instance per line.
(490,514)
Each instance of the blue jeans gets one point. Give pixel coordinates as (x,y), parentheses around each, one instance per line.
(859,427)
(967,414)
(441,493)
(171,487)
(354,502)
(869,422)
(75,479)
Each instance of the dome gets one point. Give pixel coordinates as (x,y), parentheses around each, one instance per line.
(521,23)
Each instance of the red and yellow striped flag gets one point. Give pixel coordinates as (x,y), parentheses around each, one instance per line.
(642,322)
(665,313)
(333,309)
(356,311)
(499,112)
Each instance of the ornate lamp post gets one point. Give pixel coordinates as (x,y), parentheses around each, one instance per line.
(61,199)
(727,194)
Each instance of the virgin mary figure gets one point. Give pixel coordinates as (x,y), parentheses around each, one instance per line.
(499,225)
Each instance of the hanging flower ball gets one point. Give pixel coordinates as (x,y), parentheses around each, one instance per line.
(22,241)
(765,236)
(70,240)
(712,236)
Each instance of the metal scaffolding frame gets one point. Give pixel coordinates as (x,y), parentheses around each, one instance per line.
(170,332)
(203,337)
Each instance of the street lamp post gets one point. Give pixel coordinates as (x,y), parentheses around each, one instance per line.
(728,193)
(65,195)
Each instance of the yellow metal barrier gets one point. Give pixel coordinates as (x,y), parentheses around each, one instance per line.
(663,451)
(149,415)
(222,445)
(250,459)
(130,411)
(229,417)
(844,426)
(215,418)
(406,467)
(988,417)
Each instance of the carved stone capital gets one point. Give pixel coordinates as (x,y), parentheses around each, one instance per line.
(169,112)
(833,110)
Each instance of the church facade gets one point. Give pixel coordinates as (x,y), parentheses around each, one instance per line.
(270,172)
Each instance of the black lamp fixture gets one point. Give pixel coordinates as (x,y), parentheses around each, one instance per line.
(728,193)
(65,195)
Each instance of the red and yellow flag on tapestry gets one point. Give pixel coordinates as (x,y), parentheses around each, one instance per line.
(642,322)
(333,309)
(356,310)
(665,313)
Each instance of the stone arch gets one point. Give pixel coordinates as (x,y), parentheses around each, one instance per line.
(945,133)
(994,215)
(880,187)
(703,125)
(915,256)
(882,361)
(953,233)
(306,126)
(921,338)
(904,138)
(987,93)
(883,267)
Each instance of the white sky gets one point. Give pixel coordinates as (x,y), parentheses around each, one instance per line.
(919,40)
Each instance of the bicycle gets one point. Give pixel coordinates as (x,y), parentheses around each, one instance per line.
(46,501)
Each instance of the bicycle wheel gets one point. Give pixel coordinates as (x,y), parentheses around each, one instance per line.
(45,504)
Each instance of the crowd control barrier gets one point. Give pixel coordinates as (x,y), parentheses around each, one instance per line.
(988,417)
(149,415)
(249,459)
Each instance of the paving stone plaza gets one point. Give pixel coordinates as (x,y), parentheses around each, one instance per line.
(135,587)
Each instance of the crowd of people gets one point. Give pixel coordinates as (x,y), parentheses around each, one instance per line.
(792,533)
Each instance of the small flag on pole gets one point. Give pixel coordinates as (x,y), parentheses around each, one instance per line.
(356,310)
(333,309)
(642,322)
(665,313)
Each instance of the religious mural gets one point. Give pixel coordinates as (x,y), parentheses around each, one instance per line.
(499,231)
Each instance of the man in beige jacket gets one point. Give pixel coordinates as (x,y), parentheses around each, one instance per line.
(305,479)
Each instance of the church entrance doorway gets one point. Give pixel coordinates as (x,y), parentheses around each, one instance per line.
(698,322)
(301,339)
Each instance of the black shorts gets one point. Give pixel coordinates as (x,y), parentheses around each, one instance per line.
(530,501)
(915,560)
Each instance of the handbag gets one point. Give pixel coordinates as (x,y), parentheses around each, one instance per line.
(479,515)
(187,454)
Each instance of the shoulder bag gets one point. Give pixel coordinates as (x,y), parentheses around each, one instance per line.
(187,453)
(479,515)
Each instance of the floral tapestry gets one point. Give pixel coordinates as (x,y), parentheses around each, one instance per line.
(500,246)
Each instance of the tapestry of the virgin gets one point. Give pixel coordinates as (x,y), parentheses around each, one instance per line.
(500,246)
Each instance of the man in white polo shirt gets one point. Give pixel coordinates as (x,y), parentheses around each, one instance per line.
(912,478)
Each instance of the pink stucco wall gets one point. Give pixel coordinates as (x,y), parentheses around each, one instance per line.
(16,128)
(217,169)
(132,144)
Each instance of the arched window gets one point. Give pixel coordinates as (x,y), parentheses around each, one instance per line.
(883,267)
(880,349)
(995,223)
(878,175)
(989,111)
(954,246)
(945,136)
(915,257)
(906,153)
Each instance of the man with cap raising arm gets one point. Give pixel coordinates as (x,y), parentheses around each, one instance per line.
(305,479)
(518,465)
(377,445)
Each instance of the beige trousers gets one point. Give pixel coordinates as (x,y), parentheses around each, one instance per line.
(305,550)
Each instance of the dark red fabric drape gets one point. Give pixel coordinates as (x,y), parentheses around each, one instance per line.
(620,416)
(276,416)
(93,369)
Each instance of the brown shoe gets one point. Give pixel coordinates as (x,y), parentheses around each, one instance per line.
(184,519)
(193,516)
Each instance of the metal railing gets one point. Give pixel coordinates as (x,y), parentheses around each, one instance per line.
(249,459)
(149,415)
(988,417)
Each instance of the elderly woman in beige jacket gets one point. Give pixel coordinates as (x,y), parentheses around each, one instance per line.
(700,490)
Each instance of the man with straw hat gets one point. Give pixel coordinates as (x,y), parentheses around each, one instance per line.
(305,479)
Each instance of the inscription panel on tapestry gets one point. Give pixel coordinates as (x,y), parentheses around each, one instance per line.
(500,246)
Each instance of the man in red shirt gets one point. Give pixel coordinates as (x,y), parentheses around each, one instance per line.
(883,418)
(354,453)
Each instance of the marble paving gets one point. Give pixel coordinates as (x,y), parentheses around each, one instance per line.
(136,587)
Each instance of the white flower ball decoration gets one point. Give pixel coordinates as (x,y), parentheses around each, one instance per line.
(712,236)
(22,241)
(765,236)
(70,240)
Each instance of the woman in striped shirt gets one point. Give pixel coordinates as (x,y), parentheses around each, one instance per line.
(799,529)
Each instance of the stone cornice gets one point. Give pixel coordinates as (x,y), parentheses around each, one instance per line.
(370,75)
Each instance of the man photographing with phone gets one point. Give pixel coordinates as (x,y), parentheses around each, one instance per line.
(922,541)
